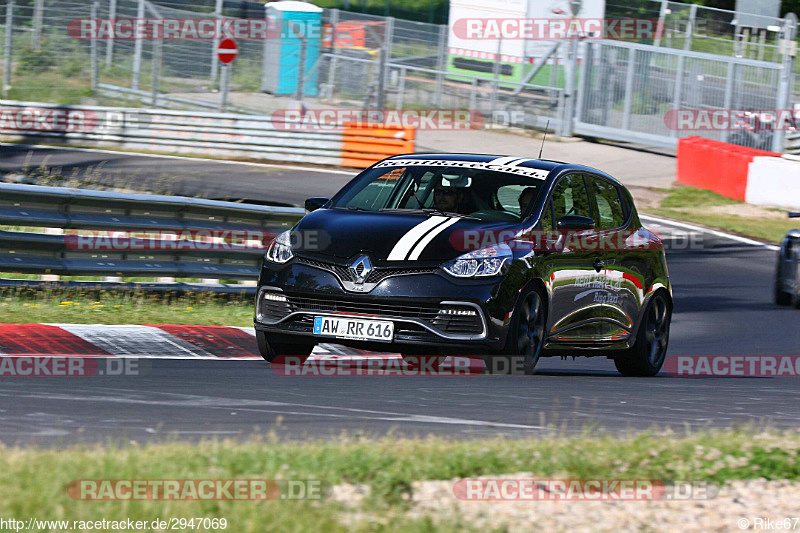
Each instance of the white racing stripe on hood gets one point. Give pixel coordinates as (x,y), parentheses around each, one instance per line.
(403,246)
(415,253)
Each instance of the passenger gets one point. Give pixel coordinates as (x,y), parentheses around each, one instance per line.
(525,199)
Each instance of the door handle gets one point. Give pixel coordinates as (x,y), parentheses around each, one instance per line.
(599,264)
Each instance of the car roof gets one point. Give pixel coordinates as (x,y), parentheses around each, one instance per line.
(553,167)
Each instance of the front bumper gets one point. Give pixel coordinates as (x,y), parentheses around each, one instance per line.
(427,308)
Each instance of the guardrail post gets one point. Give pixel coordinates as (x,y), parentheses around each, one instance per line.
(9,31)
(93,52)
(36,36)
(786,77)
(137,51)
(112,14)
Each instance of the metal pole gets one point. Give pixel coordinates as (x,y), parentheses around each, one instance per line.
(678,93)
(383,65)
(496,78)
(157,56)
(401,88)
(687,43)
(112,14)
(301,67)
(214,60)
(137,51)
(442,65)
(7,48)
(728,98)
(36,37)
(662,16)
(786,77)
(332,57)
(569,90)
(93,52)
(626,112)
(223,102)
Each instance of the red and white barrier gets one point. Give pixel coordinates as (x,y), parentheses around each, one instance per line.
(774,181)
(738,172)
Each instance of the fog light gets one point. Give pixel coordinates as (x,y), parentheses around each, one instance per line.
(467,312)
(275,297)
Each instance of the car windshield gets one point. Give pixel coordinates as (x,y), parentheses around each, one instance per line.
(478,193)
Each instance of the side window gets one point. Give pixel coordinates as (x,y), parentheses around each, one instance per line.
(609,206)
(570,197)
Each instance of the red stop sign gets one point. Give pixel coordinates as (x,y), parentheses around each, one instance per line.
(227,51)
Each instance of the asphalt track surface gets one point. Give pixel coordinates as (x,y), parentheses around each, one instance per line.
(723,306)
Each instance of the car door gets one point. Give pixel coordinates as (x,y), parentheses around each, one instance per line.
(624,280)
(574,266)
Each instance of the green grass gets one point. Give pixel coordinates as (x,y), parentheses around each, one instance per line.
(686,203)
(23,306)
(35,480)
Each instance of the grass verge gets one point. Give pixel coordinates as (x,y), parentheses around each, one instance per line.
(35,480)
(711,209)
(25,306)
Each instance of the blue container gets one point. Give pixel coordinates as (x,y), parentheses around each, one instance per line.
(282,51)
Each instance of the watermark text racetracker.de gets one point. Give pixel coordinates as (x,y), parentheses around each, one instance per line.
(21,366)
(731,119)
(634,29)
(733,365)
(188,29)
(529,489)
(70,119)
(199,489)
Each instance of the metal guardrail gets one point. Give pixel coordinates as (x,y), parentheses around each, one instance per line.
(194,257)
(230,135)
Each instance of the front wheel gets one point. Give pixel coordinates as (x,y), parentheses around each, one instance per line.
(526,332)
(269,349)
(650,349)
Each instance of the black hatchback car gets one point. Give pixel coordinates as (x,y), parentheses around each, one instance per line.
(463,254)
(787,273)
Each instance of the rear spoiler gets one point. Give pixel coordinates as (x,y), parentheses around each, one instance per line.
(794,215)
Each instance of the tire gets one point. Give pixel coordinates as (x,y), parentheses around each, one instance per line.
(648,353)
(269,350)
(526,332)
(782,297)
(794,299)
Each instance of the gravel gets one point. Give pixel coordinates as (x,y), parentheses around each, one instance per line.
(738,506)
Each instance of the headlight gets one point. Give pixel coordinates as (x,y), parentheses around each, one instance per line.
(280,249)
(480,263)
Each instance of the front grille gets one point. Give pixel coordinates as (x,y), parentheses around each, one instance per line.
(434,315)
(377,275)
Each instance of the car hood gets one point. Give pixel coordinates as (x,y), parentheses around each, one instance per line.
(393,238)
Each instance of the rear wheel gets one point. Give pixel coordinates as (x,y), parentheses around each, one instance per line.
(270,349)
(526,333)
(650,349)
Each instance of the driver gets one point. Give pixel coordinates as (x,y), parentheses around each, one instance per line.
(449,195)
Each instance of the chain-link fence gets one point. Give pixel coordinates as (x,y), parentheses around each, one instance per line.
(358,60)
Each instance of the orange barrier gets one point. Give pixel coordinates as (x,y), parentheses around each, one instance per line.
(716,166)
(367,144)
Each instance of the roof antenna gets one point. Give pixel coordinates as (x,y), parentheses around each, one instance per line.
(543,138)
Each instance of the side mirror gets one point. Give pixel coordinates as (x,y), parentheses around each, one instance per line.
(575,222)
(312,204)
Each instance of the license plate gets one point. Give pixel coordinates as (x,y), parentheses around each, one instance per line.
(354,328)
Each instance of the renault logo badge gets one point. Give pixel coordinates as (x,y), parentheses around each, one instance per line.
(360,269)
